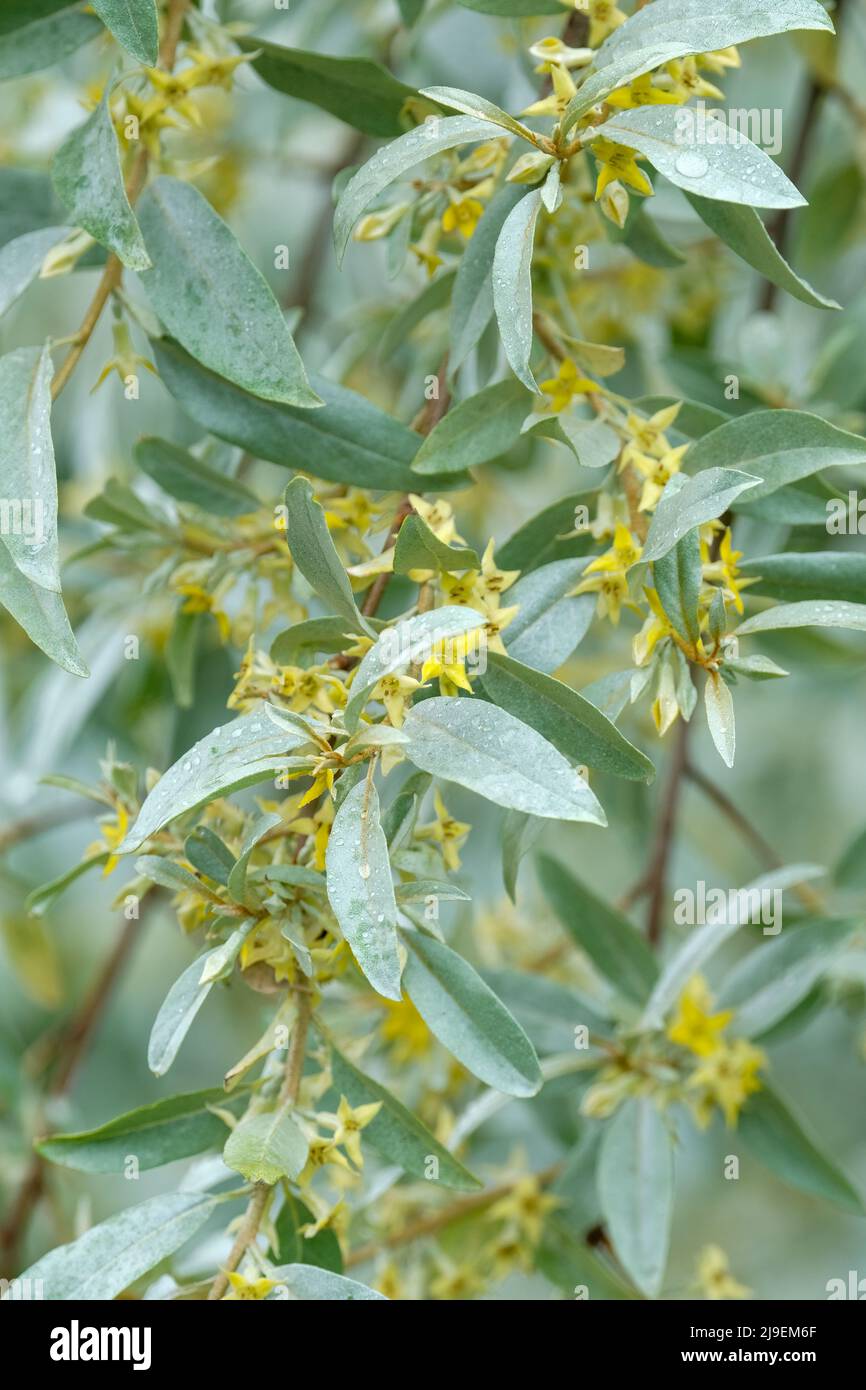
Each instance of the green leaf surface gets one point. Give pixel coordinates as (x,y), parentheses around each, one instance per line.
(797,575)
(21,261)
(177,1014)
(690,503)
(742,229)
(542,538)
(406,644)
(360,889)
(435,295)
(134,24)
(466,1016)
(677,577)
(550,621)
(311,1283)
(291,1244)
(396,159)
(315,554)
(89,181)
(395,1132)
(617,950)
(35,34)
(213,300)
(487,750)
(512,285)
(265,1148)
(356,90)
(349,441)
(776,976)
(470,104)
(776,1137)
(475,431)
(155,1134)
(188,479)
(568,720)
(472,296)
(719,705)
(777,447)
(636,1191)
(419,548)
(811,613)
(246,750)
(110,1257)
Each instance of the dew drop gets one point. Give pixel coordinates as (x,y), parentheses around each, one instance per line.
(692,165)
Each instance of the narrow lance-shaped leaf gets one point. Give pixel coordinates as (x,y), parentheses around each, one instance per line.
(475,431)
(316,556)
(636,1187)
(394,160)
(677,577)
(88,178)
(35,34)
(777,447)
(689,502)
(361,891)
(246,750)
(419,548)
(134,24)
(395,1132)
(212,298)
(472,296)
(467,1017)
(177,1014)
(550,620)
(21,261)
(473,105)
(111,1256)
(779,1141)
(512,285)
(719,704)
(796,575)
(481,747)
(182,475)
(719,164)
(308,1283)
(741,228)
(815,613)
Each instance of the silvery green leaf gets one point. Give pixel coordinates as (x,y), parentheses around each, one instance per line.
(811,613)
(34,37)
(190,479)
(519,834)
(593,443)
(419,548)
(472,105)
(177,1014)
(474,431)
(213,300)
(308,1283)
(405,644)
(779,1141)
(724,165)
(512,285)
(689,502)
(360,889)
(435,295)
(220,962)
(392,161)
(41,614)
(797,575)
(754,668)
(777,447)
(719,704)
(396,1133)
(166,873)
(110,1257)
(681,28)
(483,748)
(551,189)
(21,261)
(618,951)
(315,554)
(636,1190)
(27,474)
(472,296)
(677,577)
(423,888)
(467,1017)
(89,181)
(550,621)
(741,228)
(569,721)
(267,1147)
(249,749)
(775,976)
(237,881)
(134,24)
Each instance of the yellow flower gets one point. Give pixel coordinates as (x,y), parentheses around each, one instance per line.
(323,1153)
(394,692)
(719,60)
(425,250)
(612,591)
(728,1076)
(125,360)
(267,944)
(350,1124)
(563,90)
(641,92)
(618,162)
(714,1277)
(404,1030)
(446,832)
(724,570)
(657,473)
(654,629)
(647,436)
(568,383)
(604,17)
(527,1206)
(455,1283)
(302,688)
(462,215)
(446,661)
(624,553)
(319,826)
(243,1288)
(198,600)
(552,51)
(494,581)
(113,833)
(693,1026)
(497,620)
(688,81)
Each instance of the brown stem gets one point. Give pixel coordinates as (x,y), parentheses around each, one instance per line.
(258,1203)
(113,271)
(71,1047)
(655,879)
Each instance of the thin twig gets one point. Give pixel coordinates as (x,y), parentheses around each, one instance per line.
(657,871)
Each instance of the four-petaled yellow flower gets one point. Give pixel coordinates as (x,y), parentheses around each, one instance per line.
(656,473)
(198,600)
(568,383)
(404,1030)
(728,1077)
(693,1026)
(446,832)
(527,1206)
(606,574)
(394,692)
(724,571)
(618,162)
(350,1123)
(462,215)
(243,1288)
(113,833)
(641,92)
